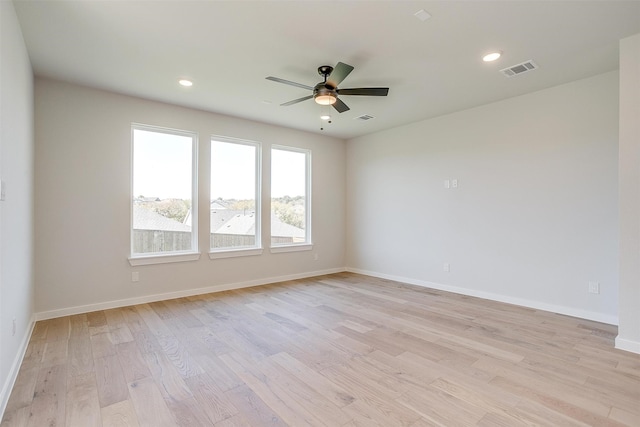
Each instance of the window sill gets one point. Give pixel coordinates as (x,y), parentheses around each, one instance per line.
(291,248)
(232,253)
(163,259)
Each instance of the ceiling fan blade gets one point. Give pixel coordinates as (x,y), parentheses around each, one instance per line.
(295,101)
(340,106)
(288,82)
(339,73)
(366,91)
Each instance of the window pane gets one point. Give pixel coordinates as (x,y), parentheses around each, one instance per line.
(289,201)
(233,195)
(162,192)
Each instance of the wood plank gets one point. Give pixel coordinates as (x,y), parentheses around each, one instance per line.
(371,399)
(96,319)
(306,397)
(78,326)
(272,396)
(101,345)
(169,381)
(33,355)
(83,408)
(120,334)
(49,405)
(151,409)
(110,381)
(133,364)
(235,421)
(557,404)
(321,384)
(188,413)
(16,418)
(80,357)
(40,330)
(23,390)
(58,329)
(119,414)
(254,410)
(55,353)
(215,404)
(440,407)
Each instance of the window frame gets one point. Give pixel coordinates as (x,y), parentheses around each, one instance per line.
(191,254)
(307,245)
(257,248)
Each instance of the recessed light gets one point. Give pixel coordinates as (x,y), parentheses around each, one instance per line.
(185,82)
(325,117)
(491,56)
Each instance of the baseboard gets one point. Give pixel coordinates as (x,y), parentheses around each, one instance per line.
(52,314)
(627,345)
(15,368)
(559,309)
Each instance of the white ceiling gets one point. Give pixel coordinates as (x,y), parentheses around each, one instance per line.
(229,47)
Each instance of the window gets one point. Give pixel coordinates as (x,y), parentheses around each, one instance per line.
(290,199)
(235,198)
(164,207)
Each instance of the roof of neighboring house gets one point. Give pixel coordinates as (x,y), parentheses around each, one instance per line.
(147,199)
(146,219)
(218,204)
(282,229)
(219,217)
(239,224)
(230,221)
(223,221)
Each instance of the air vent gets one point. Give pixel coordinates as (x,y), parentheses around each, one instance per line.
(364,117)
(515,70)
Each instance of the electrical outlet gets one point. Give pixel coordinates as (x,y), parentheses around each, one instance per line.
(446,267)
(316,256)
(454,183)
(594,287)
(135,276)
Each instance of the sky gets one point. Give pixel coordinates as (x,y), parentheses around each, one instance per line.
(162,168)
(287,173)
(161,165)
(232,171)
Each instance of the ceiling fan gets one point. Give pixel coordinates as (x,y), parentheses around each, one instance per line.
(326,92)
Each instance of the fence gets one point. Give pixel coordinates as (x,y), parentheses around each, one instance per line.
(150,241)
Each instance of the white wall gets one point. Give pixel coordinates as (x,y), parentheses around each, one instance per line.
(534,218)
(629,330)
(83,160)
(16,211)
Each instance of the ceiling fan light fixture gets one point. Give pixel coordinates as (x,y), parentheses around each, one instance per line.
(325,117)
(326,99)
(185,82)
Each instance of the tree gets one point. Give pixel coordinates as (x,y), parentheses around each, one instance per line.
(290,211)
(176,209)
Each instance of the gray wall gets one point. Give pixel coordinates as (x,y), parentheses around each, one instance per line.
(629,331)
(83,170)
(16,211)
(534,218)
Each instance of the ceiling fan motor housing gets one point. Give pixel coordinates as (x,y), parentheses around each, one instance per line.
(324,89)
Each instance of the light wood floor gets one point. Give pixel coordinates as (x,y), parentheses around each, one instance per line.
(339,350)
